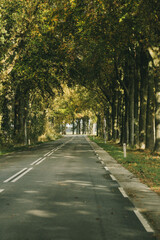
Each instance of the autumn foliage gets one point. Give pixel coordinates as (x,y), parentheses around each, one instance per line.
(110,48)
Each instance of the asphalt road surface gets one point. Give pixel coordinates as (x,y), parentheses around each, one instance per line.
(61,191)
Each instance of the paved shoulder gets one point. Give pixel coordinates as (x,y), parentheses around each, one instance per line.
(145,200)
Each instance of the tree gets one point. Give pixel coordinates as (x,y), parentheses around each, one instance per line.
(108,47)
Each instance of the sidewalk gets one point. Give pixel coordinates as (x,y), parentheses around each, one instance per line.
(143,198)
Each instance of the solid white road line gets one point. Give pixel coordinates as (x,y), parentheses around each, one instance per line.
(40,161)
(14,180)
(113,178)
(46,154)
(7,180)
(36,161)
(143,221)
(50,154)
(123,192)
(53,150)
(1,190)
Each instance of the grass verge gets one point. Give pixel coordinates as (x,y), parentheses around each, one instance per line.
(143,164)
(11,148)
(15,148)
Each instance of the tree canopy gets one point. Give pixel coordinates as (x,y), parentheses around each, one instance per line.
(110,48)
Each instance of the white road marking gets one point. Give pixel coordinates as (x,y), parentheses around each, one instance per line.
(123,192)
(21,173)
(1,190)
(113,178)
(15,175)
(50,154)
(102,162)
(36,161)
(106,168)
(14,180)
(53,150)
(143,221)
(46,154)
(40,161)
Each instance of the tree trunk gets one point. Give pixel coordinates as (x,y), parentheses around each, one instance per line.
(73,125)
(78,126)
(114,117)
(104,129)
(143,98)
(155,54)
(136,113)
(150,139)
(6,125)
(157,116)
(131,100)
(84,125)
(98,124)
(126,121)
(25,132)
(107,123)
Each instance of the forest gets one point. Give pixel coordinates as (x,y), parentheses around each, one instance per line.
(80,61)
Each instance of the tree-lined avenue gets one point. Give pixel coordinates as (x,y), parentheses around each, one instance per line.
(106,52)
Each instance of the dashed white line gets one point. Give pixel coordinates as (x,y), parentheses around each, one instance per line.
(1,190)
(7,180)
(123,192)
(113,178)
(14,180)
(106,168)
(143,221)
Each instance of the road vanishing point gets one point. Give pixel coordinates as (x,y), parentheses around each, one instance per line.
(62,190)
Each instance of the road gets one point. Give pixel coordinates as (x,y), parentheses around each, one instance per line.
(61,191)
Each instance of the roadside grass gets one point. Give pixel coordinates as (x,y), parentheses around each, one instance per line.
(6,149)
(142,163)
(11,148)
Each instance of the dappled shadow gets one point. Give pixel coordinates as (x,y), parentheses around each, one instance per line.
(70,200)
(79,209)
